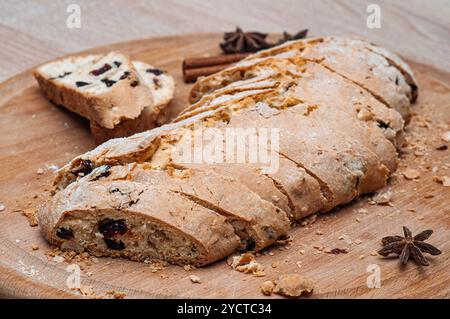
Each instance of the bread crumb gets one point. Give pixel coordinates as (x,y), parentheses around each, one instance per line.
(30,214)
(319,232)
(34,247)
(374,253)
(195,279)
(40,171)
(2,207)
(446,137)
(293,285)
(246,263)
(116,294)
(188,267)
(411,174)
(87,291)
(267,287)
(383,197)
(156,265)
(444,180)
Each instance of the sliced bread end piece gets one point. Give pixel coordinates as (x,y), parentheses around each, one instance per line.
(162,87)
(137,221)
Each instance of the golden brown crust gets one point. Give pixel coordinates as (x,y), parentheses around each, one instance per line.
(210,234)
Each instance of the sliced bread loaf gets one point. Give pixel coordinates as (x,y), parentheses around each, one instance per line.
(117,96)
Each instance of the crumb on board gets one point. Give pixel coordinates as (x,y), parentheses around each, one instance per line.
(188,267)
(444,180)
(411,174)
(30,214)
(156,265)
(116,294)
(246,263)
(290,285)
(267,287)
(383,197)
(2,207)
(446,136)
(195,279)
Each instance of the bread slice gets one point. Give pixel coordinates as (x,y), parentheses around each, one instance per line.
(137,221)
(117,96)
(257,222)
(162,87)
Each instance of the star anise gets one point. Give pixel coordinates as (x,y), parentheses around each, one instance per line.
(409,246)
(288,37)
(240,41)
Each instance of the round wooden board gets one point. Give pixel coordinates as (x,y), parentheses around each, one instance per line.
(34,135)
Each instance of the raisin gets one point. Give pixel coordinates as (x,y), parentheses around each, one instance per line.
(124,75)
(117,63)
(108,82)
(64,75)
(114,244)
(250,243)
(84,168)
(101,70)
(382,125)
(81,83)
(157,83)
(134,84)
(105,173)
(110,227)
(64,233)
(155,71)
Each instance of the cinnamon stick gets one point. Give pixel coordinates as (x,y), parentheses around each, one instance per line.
(190,75)
(203,66)
(199,62)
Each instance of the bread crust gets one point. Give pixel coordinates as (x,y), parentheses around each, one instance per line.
(212,235)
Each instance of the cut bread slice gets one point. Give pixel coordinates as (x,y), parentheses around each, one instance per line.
(257,222)
(117,96)
(162,87)
(137,221)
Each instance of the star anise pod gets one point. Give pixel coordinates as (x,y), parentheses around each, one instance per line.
(240,41)
(288,37)
(409,246)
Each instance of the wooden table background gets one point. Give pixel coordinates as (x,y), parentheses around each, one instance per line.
(34,31)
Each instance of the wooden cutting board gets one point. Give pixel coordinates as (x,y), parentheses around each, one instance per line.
(35,136)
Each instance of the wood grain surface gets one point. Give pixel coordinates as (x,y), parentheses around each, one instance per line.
(34,135)
(35,31)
